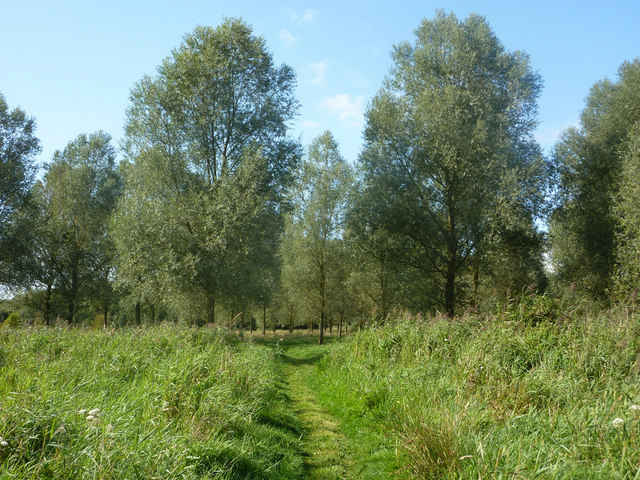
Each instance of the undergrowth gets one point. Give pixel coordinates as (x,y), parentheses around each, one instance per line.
(500,397)
(158,403)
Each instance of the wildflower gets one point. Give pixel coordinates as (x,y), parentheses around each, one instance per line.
(82,411)
(3,442)
(617,422)
(90,418)
(634,408)
(95,412)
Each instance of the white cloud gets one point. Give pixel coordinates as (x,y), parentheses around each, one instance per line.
(316,71)
(288,38)
(357,80)
(310,124)
(348,109)
(309,16)
(548,135)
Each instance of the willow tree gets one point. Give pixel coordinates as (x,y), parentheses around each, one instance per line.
(18,148)
(312,250)
(590,163)
(80,191)
(208,136)
(450,163)
(627,211)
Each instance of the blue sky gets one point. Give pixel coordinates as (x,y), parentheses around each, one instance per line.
(71,65)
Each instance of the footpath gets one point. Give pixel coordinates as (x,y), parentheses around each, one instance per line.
(324,444)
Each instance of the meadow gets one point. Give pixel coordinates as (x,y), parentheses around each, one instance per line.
(504,398)
(162,402)
(531,392)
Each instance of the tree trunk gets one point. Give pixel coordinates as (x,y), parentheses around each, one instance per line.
(264,319)
(476,283)
(105,318)
(340,325)
(321,338)
(211,309)
(71,307)
(330,323)
(291,320)
(138,311)
(452,253)
(47,306)
(449,293)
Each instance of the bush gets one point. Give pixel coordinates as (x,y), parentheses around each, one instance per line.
(13,320)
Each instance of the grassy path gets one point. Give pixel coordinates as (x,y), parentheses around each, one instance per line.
(323,442)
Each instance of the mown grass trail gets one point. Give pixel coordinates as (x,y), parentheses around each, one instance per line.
(324,443)
(325,446)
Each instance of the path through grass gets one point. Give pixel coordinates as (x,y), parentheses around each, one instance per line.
(324,444)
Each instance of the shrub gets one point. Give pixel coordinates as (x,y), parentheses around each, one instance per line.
(13,320)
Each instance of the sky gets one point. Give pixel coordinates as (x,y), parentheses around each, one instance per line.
(71,64)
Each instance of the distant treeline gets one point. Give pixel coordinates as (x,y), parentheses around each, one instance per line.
(211,212)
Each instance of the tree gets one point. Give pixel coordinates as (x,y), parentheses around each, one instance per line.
(312,246)
(449,159)
(627,212)
(18,148)
(80,192)
(209,135)
(589,164)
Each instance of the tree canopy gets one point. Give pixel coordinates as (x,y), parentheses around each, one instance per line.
(211,158)
(449,158)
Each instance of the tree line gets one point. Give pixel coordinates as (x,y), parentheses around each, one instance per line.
(214,214)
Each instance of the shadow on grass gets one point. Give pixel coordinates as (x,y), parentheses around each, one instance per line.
(306,360)
(286,341)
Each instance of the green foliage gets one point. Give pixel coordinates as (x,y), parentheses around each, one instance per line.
(211,160)
(173,403)
(449,165)
(72,248)
(627,210)
(484,397)
(18,148)
(529,308)
(589,163)
(13,320)
(312,248)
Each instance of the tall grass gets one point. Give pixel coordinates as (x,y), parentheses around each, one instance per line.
(502,397)
(165,402)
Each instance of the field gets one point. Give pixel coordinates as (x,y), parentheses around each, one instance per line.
(501,397)
(173,403)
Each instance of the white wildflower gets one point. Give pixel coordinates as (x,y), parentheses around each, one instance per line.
(82,411)
(90,418)
(617,422)
(95,412)
(3,442)
(634,408)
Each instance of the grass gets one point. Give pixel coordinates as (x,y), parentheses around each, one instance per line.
(326,448)
(173,403)
(503,397)
(491,398)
